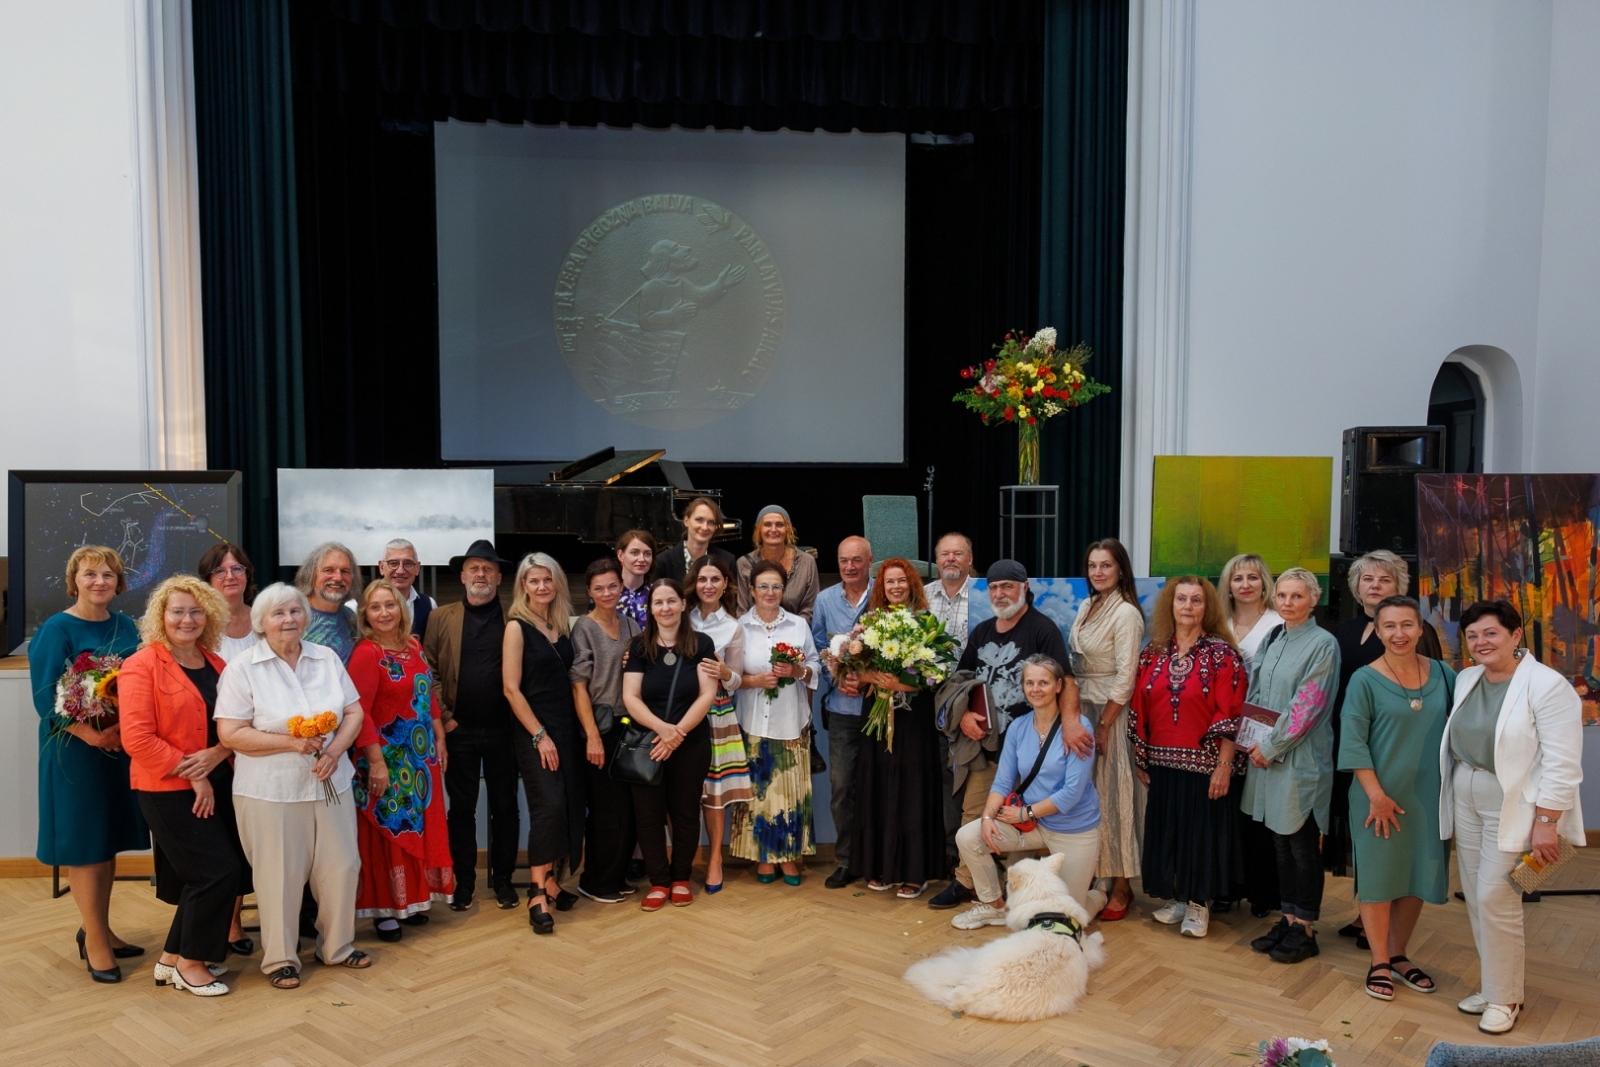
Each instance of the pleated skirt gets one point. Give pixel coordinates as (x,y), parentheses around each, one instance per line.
(775,826)
(728,779)
(1122,801)
(1192,844)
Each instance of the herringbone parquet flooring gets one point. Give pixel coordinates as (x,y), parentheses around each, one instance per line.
(757,975)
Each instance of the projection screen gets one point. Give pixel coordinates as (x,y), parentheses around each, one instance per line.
(730,296)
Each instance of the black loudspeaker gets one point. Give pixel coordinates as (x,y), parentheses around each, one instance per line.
(1378,496)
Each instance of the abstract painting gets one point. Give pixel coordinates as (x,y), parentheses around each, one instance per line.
(1525,538)
(1207,509)
(441,512)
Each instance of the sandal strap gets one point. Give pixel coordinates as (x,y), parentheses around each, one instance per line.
(1414,974)
(283,974)
(1380,980)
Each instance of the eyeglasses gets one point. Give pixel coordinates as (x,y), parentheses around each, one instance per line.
(769,588)
(234,571)
(401,565)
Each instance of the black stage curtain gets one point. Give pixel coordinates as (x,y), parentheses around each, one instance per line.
(369,80)
(249,255)
(1080,277)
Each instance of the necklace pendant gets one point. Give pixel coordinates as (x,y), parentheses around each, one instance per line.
(1416,703)
(672,657)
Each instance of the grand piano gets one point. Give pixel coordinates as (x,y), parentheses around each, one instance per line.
(571,511)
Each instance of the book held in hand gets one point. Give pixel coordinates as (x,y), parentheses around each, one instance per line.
(1255,725)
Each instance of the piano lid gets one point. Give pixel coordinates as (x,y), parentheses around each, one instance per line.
(606,466)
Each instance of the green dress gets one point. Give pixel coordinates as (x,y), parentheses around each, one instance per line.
(1382,734)
(87,812)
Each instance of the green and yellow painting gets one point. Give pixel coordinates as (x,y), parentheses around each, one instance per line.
(1207,509)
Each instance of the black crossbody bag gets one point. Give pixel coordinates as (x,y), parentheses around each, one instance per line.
(631,761)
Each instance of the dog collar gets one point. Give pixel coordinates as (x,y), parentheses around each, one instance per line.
(1057,923)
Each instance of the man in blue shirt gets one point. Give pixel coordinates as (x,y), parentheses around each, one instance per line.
(835,612)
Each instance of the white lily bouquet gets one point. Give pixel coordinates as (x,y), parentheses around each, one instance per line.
(896,640)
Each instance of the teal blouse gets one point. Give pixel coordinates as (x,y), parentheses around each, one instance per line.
(1296,674)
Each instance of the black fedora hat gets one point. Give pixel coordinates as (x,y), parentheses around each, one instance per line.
(479,549)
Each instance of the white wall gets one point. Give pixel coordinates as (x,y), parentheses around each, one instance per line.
(1369,195)
(70,303)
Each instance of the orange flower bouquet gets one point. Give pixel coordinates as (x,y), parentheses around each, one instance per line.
(322,724)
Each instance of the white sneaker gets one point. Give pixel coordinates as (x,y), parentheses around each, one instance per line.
(979,916)
(1473,1005)
(1196,920)
(1499,1018)
(1170,915)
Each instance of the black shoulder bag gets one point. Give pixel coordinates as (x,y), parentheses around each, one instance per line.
(1014,798)
(631,762)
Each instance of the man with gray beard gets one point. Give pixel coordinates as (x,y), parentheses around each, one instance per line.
(463,648)
(996,649)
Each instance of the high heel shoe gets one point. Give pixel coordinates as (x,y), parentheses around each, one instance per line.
(541,921)
(212,988)
(113,975)
(126,952)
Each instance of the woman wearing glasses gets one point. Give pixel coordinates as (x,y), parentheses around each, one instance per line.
(229,571)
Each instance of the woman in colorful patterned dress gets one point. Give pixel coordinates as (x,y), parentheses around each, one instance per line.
(1182,718)
(404,841)
(636,555)
(715,592)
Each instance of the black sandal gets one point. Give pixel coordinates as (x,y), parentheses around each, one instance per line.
(541,921)
(356,961)
(242,947)
(1413,976)
(1377,987)
(285,978)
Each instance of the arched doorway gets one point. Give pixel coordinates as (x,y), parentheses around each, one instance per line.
(1456,402)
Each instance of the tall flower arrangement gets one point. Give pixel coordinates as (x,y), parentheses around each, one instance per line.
(1026,381)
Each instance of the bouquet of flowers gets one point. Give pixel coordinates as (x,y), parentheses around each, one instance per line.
(1293,1052)
(321,724)
(783,653)
(1027,381)
(898,641)
(87,691)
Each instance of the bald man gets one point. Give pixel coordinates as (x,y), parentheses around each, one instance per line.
(836,610)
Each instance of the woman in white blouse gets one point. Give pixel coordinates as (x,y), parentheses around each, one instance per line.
(1247,590)
(1104,643)
(715,591)
(1512,761)
(775,826)
(297,820)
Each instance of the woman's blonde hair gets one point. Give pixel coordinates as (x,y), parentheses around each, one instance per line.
(153,624)
(522,603)
(1247,561)
(1304,577)
(95,556)
(1384,560)
(1214,623)
(361,610)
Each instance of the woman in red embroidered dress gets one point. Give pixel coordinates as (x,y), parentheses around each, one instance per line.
(405,846)
(1182,718)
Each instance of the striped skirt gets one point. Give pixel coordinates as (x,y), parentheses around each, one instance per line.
(728,780)
(775,826)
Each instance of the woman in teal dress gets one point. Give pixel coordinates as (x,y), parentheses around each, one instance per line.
(86,810)
(1394,718)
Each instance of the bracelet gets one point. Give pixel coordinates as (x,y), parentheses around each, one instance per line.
(538,737)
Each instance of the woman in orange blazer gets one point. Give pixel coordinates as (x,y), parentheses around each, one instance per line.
(167,693)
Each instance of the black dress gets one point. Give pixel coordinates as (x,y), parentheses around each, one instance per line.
(899,834)
(556,800)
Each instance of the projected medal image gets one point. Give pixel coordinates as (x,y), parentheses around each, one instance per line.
(669,311)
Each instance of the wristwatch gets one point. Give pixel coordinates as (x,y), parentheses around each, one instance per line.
(1029,810)
(1546,818)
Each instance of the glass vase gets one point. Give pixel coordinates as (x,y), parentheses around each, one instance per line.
(1028,457)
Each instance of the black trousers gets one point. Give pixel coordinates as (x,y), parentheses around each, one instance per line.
(201,855)
(674,804)
(1300,873)
(487,754)
(609,832)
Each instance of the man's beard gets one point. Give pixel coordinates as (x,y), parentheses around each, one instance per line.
(480,592)
(1011,610)
(952,574)
(334,592)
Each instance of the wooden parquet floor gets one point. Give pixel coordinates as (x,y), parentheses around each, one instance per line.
(758,975)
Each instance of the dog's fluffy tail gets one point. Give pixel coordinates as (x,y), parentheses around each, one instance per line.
(939,977)
(1094,950)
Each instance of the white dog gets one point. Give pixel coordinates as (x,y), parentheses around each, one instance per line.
(1036,972)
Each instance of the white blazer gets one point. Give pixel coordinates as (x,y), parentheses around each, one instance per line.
(1538,754)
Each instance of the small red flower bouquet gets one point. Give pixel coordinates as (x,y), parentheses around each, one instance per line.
(783,653)
(87,691)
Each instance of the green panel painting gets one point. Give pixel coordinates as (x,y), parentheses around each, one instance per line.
(1207,509)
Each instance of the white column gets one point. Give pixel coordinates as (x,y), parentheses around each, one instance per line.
(1155,316)
(167,224)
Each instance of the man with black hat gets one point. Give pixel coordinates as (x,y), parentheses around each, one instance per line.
(463,648)
(995,651)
